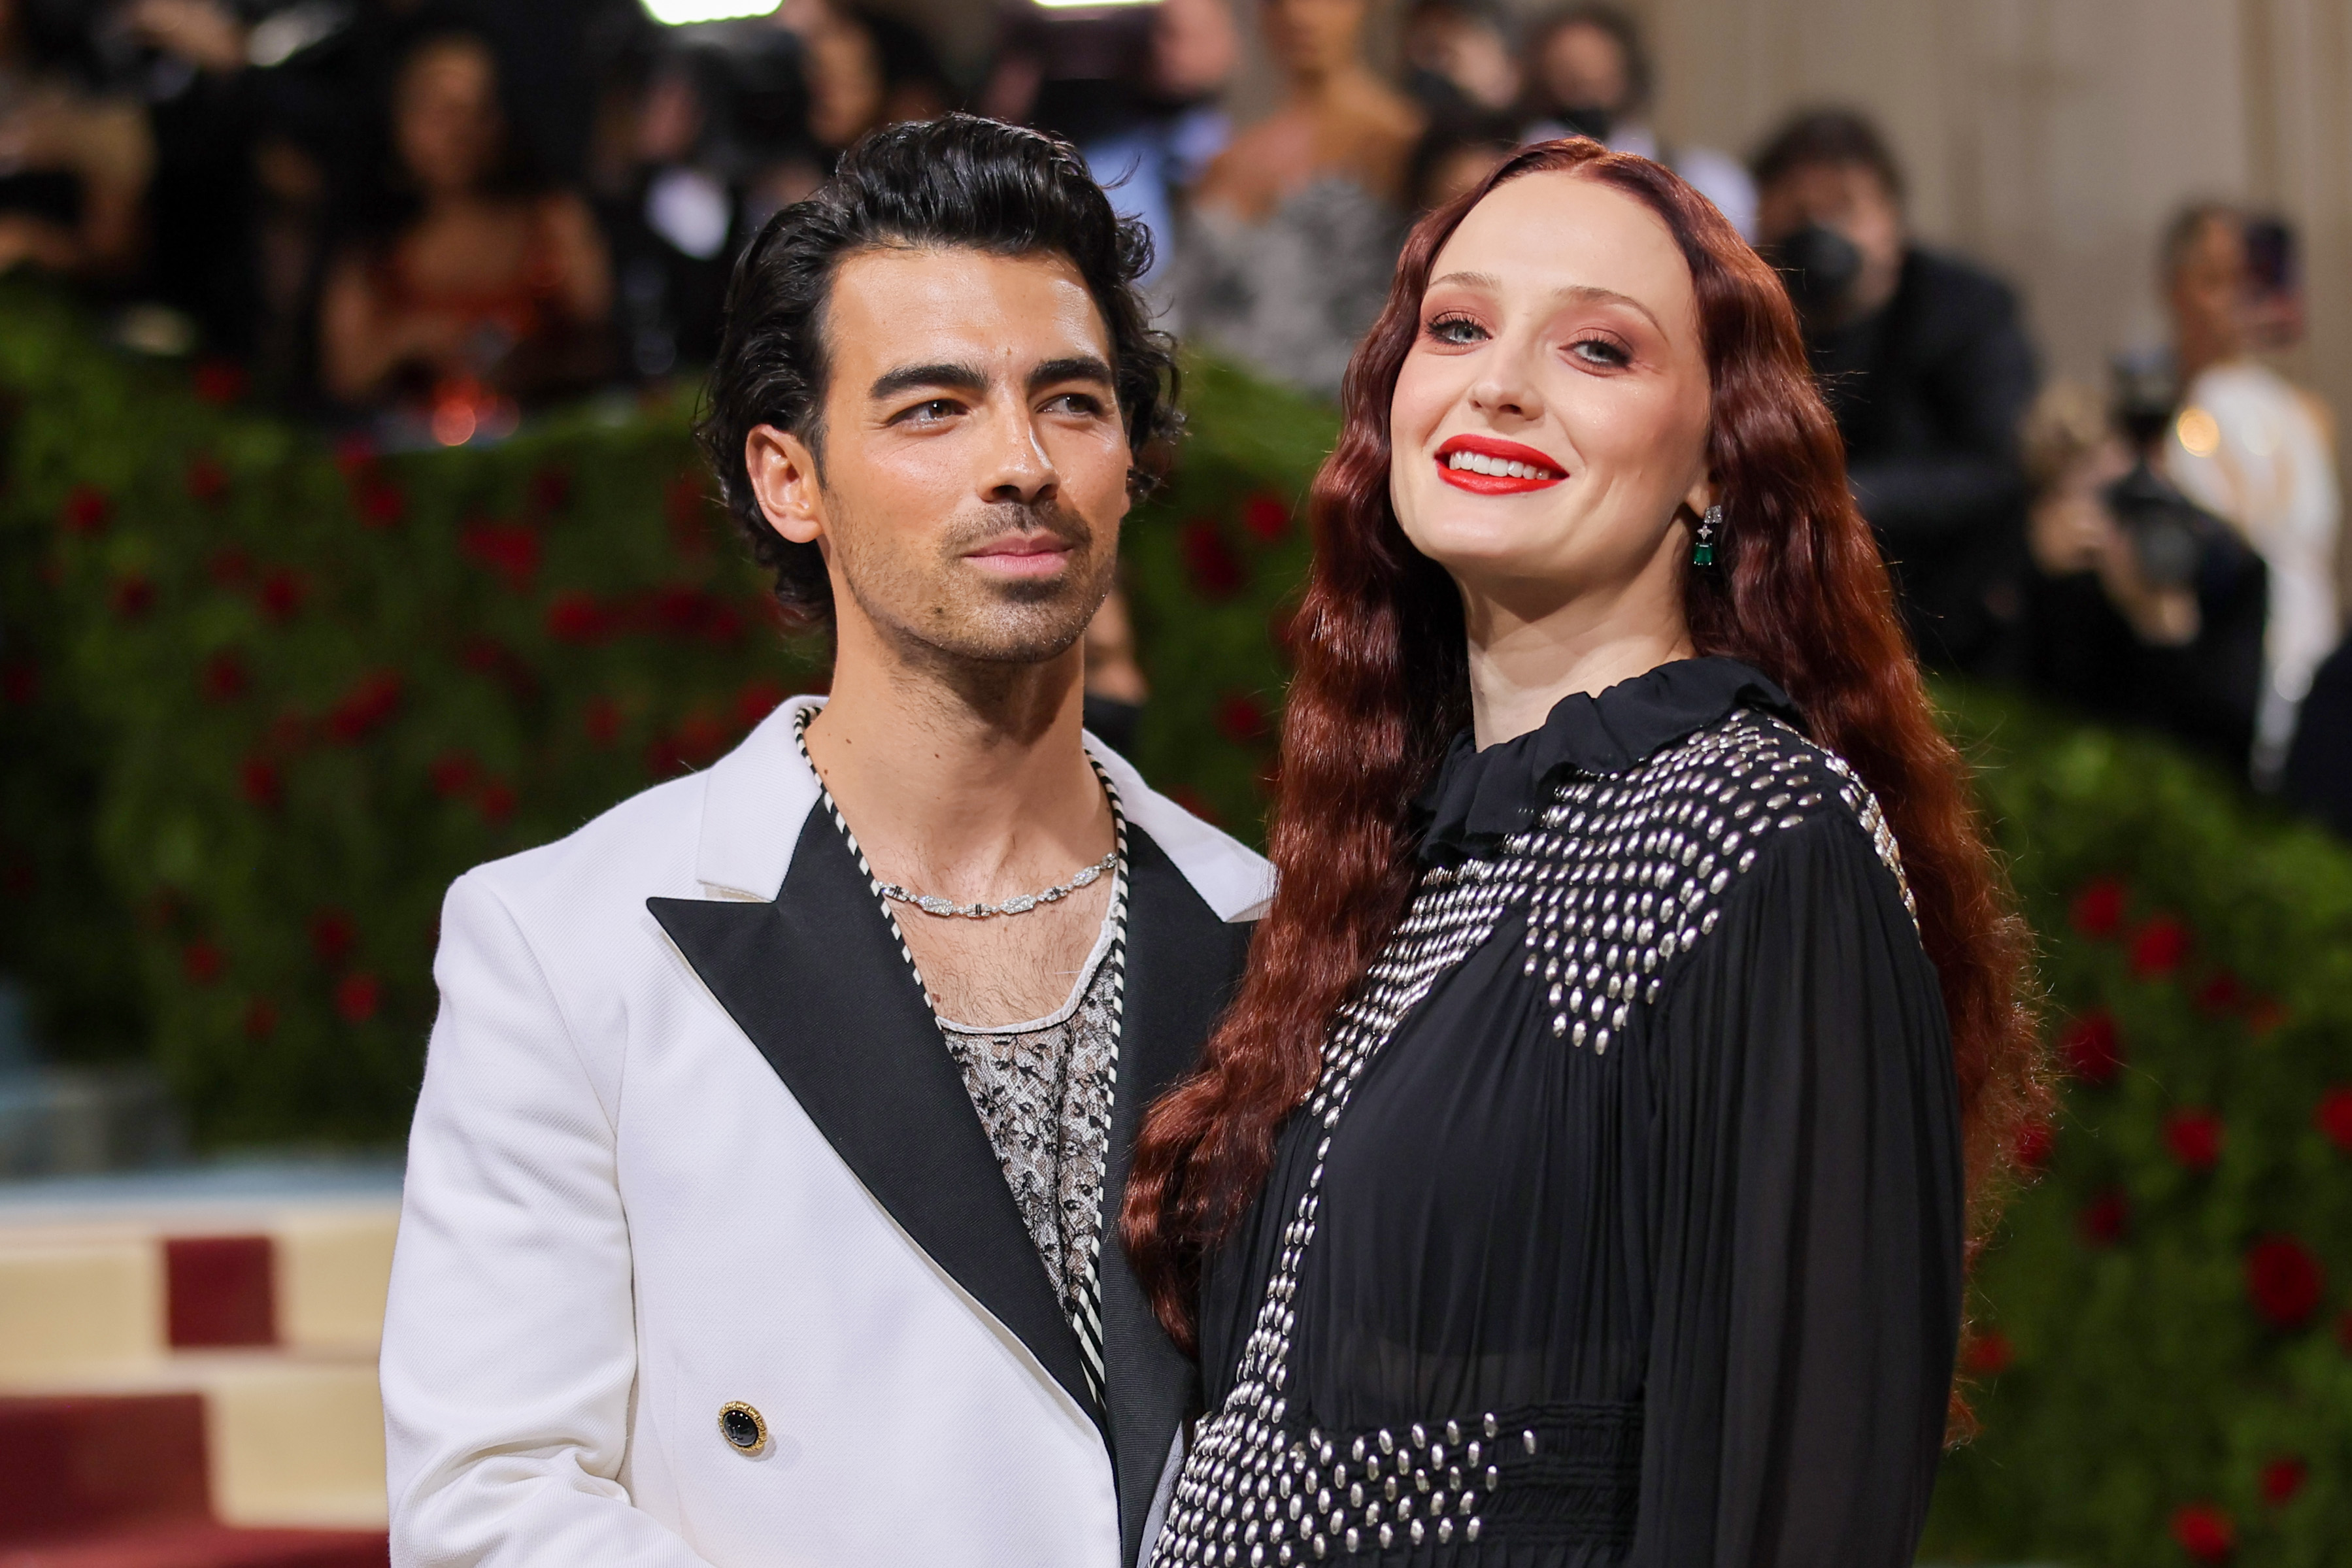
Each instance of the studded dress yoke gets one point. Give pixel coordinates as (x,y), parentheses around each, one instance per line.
(1625,1225)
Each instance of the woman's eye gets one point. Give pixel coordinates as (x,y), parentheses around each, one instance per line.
(1601,351)
(1456,329)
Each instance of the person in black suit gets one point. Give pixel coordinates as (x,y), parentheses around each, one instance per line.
(1927,368)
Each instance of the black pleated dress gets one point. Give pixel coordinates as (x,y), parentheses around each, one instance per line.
(1625,1224)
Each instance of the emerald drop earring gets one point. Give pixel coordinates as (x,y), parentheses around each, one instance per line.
(1704,553)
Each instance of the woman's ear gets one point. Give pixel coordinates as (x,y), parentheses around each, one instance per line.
(785,481)
(1701,496)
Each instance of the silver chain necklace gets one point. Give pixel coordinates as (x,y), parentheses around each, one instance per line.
(948,908)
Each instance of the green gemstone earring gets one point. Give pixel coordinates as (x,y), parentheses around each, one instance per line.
(1704,554)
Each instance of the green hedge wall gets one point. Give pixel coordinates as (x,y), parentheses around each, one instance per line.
(264,697)
(2165,1375)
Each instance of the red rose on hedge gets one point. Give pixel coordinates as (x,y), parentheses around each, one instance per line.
(2194,1136)
(2204,1532)
(2284,1282)
(380,502)
(2283,1478)
(1268,518)
(259,782)
(225,678)
(2033,1145)
(496,802)
(332,936)
(2220,994)
(2106,1218)
(260,1019)
(219,382)
(1988,1353)
(282,592)
(509,550)
(230,567)
(602,720)
(1192,801)
(2334,1117)
(1242,720)
(133,597)
(2091,1048)
(207,481)
(2098,909)
(357,996)
(367,707)
(758,698)
(202,963)
(577,618)
(2158,948)
(686,505)
(1209,561)
(551,488)
(86,510)
(454,774)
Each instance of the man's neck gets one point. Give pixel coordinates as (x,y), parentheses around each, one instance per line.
(971,783)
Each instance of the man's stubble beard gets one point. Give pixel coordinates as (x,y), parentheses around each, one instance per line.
(943,612)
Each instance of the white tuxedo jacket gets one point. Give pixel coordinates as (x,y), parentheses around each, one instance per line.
(688,1137)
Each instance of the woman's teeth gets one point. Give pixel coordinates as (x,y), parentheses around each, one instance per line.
(1479,463)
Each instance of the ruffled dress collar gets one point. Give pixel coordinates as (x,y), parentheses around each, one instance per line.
(1480,798)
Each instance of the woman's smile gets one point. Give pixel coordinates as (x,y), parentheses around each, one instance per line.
(1489,465)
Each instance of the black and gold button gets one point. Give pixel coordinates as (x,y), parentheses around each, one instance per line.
(743,1427)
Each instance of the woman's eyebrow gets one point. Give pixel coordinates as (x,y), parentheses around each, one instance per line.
(1584,293)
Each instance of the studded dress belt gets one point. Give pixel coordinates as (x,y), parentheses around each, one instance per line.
(1542,1474)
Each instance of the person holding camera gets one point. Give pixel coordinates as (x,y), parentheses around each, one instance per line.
(1927,370)
(2141,607)
(2254,448)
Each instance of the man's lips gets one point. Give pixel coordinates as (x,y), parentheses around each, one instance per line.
(1025,555)
(1503,468)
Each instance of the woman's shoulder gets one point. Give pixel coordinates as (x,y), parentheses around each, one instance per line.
(1681,830)
(1755,780)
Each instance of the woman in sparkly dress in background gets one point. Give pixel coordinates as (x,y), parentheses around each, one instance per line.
(1586,1171)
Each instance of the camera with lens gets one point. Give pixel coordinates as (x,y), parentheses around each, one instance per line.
(2170,534)
(1819,267)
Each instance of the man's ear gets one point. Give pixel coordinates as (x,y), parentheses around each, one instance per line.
(785,480)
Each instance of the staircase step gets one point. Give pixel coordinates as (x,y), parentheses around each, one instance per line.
(205,1545)
(79,1464)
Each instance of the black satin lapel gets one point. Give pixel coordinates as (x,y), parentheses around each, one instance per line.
(1182,964)
(817,980)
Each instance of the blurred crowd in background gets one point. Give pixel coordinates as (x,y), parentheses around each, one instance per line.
(421,218)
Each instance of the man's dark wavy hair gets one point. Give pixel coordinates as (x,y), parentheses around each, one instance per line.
(956,182)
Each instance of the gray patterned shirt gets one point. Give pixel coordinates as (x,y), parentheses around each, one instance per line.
(1042,1090)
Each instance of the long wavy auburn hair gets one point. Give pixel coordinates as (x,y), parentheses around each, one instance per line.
(1382,684)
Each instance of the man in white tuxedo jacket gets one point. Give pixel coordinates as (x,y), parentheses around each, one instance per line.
(762,1196)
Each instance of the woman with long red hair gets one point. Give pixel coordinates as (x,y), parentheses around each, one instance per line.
(1585,1172)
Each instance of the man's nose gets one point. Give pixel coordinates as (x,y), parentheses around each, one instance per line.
(1019,468)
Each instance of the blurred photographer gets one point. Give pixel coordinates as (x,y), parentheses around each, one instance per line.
(2141,607)
(1590,73)
(1927,370)
(74,153)
(2252,446)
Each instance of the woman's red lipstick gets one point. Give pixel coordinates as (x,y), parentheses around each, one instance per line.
(1540,471)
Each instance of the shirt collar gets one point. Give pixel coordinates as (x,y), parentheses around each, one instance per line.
(1479,798)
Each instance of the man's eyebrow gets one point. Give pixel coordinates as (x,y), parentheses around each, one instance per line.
(1586,292)
(910,378)
(1076,368)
